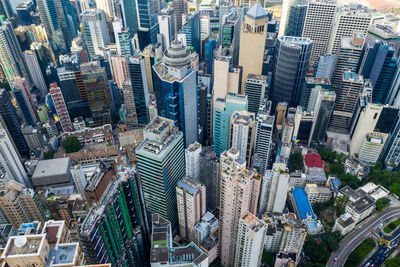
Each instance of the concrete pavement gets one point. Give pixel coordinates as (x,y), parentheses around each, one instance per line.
(352,240)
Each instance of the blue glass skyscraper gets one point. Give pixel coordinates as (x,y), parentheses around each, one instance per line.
(209,48)
(191,29)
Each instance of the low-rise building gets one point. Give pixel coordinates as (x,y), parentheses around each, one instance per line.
(356,167)
(318,193)
(205,227)
(344,224)
(359,205)
(87,136)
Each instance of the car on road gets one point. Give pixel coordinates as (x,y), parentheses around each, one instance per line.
(335,258)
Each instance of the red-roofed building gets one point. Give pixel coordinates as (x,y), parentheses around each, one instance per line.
(313,160)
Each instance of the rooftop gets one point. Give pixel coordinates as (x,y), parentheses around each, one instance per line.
(65,253)
(362,204)
(302,203)
(52,167)
(189,185)
(345,220)
(313,160)
(256,12)
(23,245)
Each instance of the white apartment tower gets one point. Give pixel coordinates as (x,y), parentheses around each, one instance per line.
(192,161)
(95,31)
(191,202)
(35,71)
(278,186)
(350,18)
(293,238)
(250,241)
(371,148)
(166,24)
(318,25)
(241,133)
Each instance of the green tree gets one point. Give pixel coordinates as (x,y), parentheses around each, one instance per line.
(382,203)
(332,240)
(327,155)
(296,161)
(340,204)
(71,144)
(49,155)
(395,262)
(267,258)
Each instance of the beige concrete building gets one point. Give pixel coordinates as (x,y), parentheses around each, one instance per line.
(252,42)
(120,69)
(227,78)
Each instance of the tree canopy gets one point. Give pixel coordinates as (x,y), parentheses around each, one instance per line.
(296,161)
(71,144)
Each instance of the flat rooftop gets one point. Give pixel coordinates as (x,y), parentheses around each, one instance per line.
(23,245)
(52,167)
(65,253)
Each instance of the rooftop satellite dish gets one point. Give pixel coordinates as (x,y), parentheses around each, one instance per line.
(20,241)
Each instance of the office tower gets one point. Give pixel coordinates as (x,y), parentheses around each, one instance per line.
(250,240)
(95,84)
(209,48)
(175,87)
(24,10)
(252,41)
(263,138)
(322,114)
(325,67)
(163,152)
(60,21)
(230,35)
(311,83)
(256,90)
(11,58)
(6,9)
(11,123)
(116,230)
(192,161)
(24,106)
(291,60)
(281,109)
(205,29)
(228,77)
(209,176)
(120,69)
(147,11)
(286,5)
(167,252)
(107,7)
(151,54)
(204,119)
(223,110)
(318,24)
(371,148)
(129,14)
(61,108)
(35,71)
(123,38)
(348,58)
(20,204)
(191,29)
(180,8)
(277,186)
(191,202)
(379,66)
(10,163)
(295,20)
(95,31)
(350,88)
(129,104)
(166,23)
(241,134)
(350,18)
(239,191)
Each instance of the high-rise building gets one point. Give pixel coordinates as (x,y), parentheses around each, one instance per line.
(95,31)
(192,161)
(292,240)
(130,14)
(350,18)
(61,108)
(191,29)
(120,69)
(209,176)
(322,114)
(35,71)
(107,6)
(223,110)
(10,163)
(391,154)
(256,90)
(147,11)
(205,29)
(175,87)
(310,94)
(24,106)
(295,20)
(371,148)
(226,77)
(325,67)
(24,10)
(379,66)
(94,80)
(20,204)
(291,60)
(123,38)
(166,23)
(346,97)
(129,104)
(180,8)
(163,152)
(191,202)
(318,23)
(250,240)
(263,138)
(11,58)
(239,190)
(151,54)
(348,58)
(241,133)
(230,34)
(11,123)
(252,41)
(208,53)
(6,9)
(277,185)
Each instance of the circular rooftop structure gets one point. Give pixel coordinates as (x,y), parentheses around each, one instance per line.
(177,55)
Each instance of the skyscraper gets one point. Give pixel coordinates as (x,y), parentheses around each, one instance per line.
(11,58)
(123,38)
(166,23)
(296,18)
(6,9)
(291,60)
(256,90)
(228,77)
(318,24)
(95,31)
(278,185)
(147,11)
(350,18)
(163,152)
(175,88)
(371,148)
(241,134)
(223,110)
(326,64)
(191,202)
(24,104)
(192,161)
(120,69)
(129,104)
(191,29)
(61,108)
(180,8)
(11,123)
(130,14)
(250,240)
(238,195)
(252,41)
(35,71)
(209,176)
